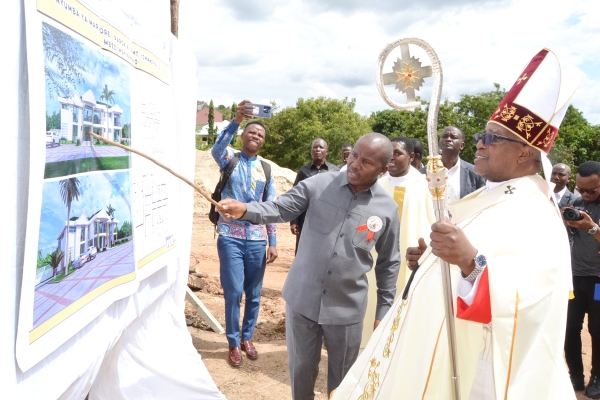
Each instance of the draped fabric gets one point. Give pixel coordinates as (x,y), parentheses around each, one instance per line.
(529,281)
(416,217)
(139,347)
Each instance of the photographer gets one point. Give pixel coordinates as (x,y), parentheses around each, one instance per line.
(582,222)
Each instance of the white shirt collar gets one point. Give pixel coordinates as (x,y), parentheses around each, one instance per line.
(489,186)
(560,194)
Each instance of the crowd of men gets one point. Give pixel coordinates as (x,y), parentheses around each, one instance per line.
(525,257)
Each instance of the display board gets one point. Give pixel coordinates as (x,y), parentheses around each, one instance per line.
(100,219)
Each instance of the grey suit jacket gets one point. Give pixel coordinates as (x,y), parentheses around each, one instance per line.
(567,199)
(469,180)
(327,281)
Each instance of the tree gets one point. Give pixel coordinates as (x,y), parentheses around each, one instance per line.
(211,122)
(42,261)
(200,105)
(470,114)
(291,131)
(576,143)
(124,230)
(53,121)
(110,210)
(175,17)
(69,191)
(63,66)
(55,259)
(107,95)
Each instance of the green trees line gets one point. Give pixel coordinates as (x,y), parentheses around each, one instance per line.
(291,130)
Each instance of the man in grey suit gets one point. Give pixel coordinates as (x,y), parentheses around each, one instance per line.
(347,215)
(561,175)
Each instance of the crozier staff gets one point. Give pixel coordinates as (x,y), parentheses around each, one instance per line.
(347,215)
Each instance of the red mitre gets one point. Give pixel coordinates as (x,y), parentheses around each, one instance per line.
(537,102)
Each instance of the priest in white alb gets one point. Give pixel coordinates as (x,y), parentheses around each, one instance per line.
(509,255)
(408,187)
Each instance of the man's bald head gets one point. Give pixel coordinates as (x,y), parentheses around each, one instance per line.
(379,143)
(368,160)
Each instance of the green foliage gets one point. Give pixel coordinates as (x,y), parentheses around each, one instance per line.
(56,258)
(107,95)
(42,261)
(291,131)
(470,114)
(126,131)
(79,165)
(64,52)
(125,230)
(211,123)
(53,121)
(233,110)
(201,144)
(225,111)
(200,105)
(110,210)
(576,143)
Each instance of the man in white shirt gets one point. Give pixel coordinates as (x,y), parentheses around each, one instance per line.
(462,179)
(561,175)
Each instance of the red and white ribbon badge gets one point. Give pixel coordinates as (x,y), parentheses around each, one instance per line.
(374,224)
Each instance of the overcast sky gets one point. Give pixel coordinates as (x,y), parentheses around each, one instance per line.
(282,50)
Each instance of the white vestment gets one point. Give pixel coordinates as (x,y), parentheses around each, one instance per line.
(415,209)
(518,230)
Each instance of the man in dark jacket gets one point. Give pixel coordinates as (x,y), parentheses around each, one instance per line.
(319,164)
(561,175)
(462,178)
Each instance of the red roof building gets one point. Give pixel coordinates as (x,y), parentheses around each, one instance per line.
(202,116)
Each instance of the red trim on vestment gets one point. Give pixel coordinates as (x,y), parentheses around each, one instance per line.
(481,308)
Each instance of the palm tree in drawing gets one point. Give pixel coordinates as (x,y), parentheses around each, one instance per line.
(69,191)
(110,210)
(107,95)
(55,258)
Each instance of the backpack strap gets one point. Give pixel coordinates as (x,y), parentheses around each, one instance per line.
(228,170)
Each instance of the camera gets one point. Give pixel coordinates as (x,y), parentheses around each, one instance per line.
(574,214)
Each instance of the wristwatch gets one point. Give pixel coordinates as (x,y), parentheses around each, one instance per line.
(594,230)
(480,264)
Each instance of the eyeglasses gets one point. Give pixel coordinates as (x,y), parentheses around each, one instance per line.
(589,191)
(489,138)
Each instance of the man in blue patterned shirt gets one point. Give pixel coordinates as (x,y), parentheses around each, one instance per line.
(242,245)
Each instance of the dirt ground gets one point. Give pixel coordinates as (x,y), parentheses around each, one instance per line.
(267,377)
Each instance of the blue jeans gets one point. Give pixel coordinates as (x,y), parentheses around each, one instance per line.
(242,270)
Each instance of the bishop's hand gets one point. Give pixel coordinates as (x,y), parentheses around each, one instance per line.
(414,253)
(450,243)
(231,209)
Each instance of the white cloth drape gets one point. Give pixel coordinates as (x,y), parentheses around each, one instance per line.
(139,348)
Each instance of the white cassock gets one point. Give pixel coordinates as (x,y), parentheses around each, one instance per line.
(415,210)
(528,280)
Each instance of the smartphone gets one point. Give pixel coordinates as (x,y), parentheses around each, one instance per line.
(261,110)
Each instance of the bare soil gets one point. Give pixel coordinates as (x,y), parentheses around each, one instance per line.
(268,376)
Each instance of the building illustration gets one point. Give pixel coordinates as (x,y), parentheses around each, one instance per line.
(80,115)
(83,231)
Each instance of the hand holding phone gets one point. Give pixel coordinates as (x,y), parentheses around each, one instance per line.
(261,110)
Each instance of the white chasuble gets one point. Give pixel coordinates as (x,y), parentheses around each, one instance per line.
(415,209)
(528,262)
